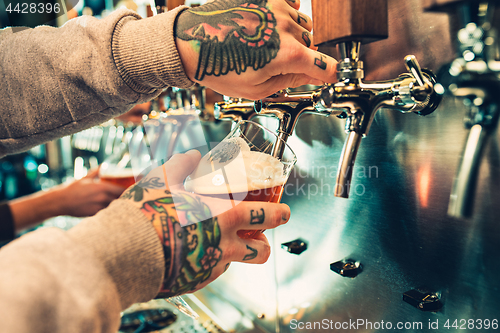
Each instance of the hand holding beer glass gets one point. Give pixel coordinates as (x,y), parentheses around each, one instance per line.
(250,164)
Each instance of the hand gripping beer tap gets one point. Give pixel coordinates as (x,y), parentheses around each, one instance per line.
(474,77)
(358,100)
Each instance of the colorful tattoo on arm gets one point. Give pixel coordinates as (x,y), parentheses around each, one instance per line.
(231,35)
(191,248)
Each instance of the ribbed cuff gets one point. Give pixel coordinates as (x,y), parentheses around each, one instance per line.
(146,55)
(129,247)
(7,229)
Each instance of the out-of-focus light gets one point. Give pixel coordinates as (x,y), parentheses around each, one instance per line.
(43,168)
(468,55)
(439,89)
(423,184)
(30,166)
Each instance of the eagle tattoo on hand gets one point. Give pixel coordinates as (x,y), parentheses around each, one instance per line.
(232,35)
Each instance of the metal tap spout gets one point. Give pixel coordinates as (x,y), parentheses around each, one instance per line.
(359,101)
(288,105)
(482,120)
(234,109)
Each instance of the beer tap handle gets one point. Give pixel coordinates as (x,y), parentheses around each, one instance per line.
(337,21)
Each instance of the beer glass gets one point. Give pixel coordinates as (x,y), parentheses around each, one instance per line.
(130,160)
(251,164)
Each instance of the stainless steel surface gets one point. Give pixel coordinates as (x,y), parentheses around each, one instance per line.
(474,76)
(395,222)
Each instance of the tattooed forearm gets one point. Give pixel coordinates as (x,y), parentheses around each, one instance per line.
(191,247)
(256,217)
(231,36)
(251,255)
(306,38)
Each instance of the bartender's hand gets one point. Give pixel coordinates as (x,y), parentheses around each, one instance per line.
(250,48)
(197,253)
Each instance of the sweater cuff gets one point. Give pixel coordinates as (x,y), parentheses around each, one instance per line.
(129,248)
(145,52)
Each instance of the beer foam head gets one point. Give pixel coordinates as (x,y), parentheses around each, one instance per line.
(231,167)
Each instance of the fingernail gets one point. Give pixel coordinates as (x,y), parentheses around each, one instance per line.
(285,216)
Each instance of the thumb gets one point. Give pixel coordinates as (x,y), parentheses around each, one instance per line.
(179,166)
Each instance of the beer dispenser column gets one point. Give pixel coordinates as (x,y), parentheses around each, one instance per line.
(474,77)
(348,25)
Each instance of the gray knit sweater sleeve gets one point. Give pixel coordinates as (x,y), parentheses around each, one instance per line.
(78,281)
(57,81)
(53,82)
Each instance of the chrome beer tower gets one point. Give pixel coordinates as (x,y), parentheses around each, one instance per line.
(473,77)
(355,100)
(352,98)
(359,101)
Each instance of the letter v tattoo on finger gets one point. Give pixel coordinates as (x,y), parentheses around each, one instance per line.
(251,255)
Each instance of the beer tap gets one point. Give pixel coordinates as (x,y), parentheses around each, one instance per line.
(234,109)
(288,105)
(410,92)
(351,97)
(474,77)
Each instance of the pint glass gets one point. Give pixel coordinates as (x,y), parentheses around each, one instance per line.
(250,164)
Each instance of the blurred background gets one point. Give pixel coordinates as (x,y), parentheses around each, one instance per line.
(416,242)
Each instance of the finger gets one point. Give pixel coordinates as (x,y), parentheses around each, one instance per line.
(254,215)
(303,20)
(307,40)
(179,166)
(253,251)
(304,66)
(319,66)
(294,3)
